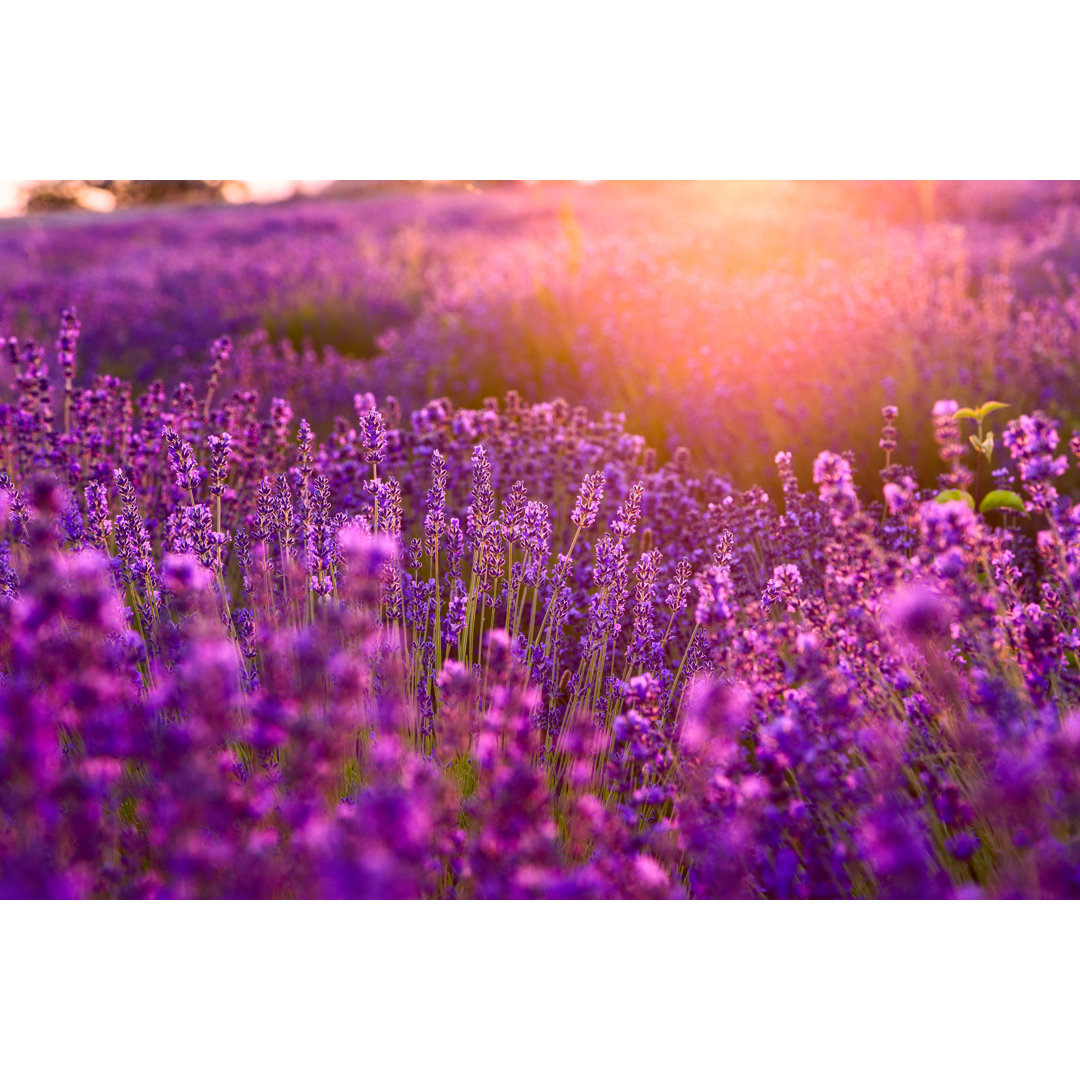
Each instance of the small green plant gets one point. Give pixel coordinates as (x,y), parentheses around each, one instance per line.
(955,495)
(1002,500)
(983,442)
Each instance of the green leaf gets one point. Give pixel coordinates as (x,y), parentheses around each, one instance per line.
(986,446)
(965,414)
(1002,500)
(955,495)
(984,410)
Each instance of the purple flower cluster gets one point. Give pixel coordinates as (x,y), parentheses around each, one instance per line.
(322,685)
(1032,440)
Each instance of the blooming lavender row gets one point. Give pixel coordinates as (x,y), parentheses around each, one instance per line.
(692,314)
(504,652)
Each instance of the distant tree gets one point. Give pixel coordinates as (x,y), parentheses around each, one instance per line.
(52,195)
(48,195)
(144,192)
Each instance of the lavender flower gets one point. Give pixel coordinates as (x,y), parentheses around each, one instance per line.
(784,588)
(626,521)
(588,501)
(181,460)
(66,342)
(220,453)
(372,435)
(1032,440)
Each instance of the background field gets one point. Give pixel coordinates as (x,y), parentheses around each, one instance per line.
(735,319)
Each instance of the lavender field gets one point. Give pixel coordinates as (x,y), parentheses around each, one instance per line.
(626,541)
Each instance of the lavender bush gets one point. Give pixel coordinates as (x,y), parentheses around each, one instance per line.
(512,651)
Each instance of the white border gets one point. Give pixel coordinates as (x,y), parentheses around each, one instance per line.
(535,990)
(585,89)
